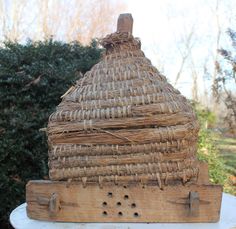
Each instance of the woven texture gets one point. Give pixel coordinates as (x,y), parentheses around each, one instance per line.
(123,122)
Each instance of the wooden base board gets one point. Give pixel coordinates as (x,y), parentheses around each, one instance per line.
(58,201)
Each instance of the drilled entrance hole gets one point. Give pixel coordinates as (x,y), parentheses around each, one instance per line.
(104,213)
(126,197)
(104,204)
(118,203)
(125,186)
(133,205)
(136,214)
(120,213)
(109,194)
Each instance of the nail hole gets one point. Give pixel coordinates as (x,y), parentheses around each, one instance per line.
(126,197)
(104,213)
(143,186)
(104,203)
(133,205)
(118,203)
(125,186)
(136,214)
(109,194)
(120,213)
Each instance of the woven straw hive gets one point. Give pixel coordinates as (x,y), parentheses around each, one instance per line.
(123,122)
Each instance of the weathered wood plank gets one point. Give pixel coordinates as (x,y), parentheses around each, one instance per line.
(203,176)
(132,203)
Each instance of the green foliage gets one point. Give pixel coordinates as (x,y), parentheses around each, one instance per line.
(205,116)
(32,79)
(227,148)
(208,152)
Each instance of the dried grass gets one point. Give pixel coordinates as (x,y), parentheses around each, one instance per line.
(123,122)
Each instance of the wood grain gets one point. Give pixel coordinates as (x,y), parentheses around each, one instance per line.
(130,203)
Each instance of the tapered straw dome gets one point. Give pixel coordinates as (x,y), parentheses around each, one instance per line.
(123,122)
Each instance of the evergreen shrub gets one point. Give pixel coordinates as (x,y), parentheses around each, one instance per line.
(32,79)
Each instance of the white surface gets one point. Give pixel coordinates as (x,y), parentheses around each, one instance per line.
(19,220)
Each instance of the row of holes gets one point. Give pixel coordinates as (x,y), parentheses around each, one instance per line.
(120,214)
(109,194)
(133,205)
(126,197)
(126,186)
(142,186)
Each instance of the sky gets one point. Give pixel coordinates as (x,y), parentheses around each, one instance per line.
(163,25)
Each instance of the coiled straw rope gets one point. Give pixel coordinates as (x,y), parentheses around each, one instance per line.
(123,122)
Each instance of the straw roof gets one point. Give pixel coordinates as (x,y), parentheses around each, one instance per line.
(123,122)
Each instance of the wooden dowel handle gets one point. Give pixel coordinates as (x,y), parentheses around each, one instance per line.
(194,203)
(54,204)
(125,23)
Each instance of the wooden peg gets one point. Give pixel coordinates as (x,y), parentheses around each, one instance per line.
(194,203)
(53,203)
(125,23)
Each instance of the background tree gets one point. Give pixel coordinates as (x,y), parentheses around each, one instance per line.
(66,20)
(225,82)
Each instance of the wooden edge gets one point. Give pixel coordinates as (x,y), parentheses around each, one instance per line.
(63,202)
(203,176)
